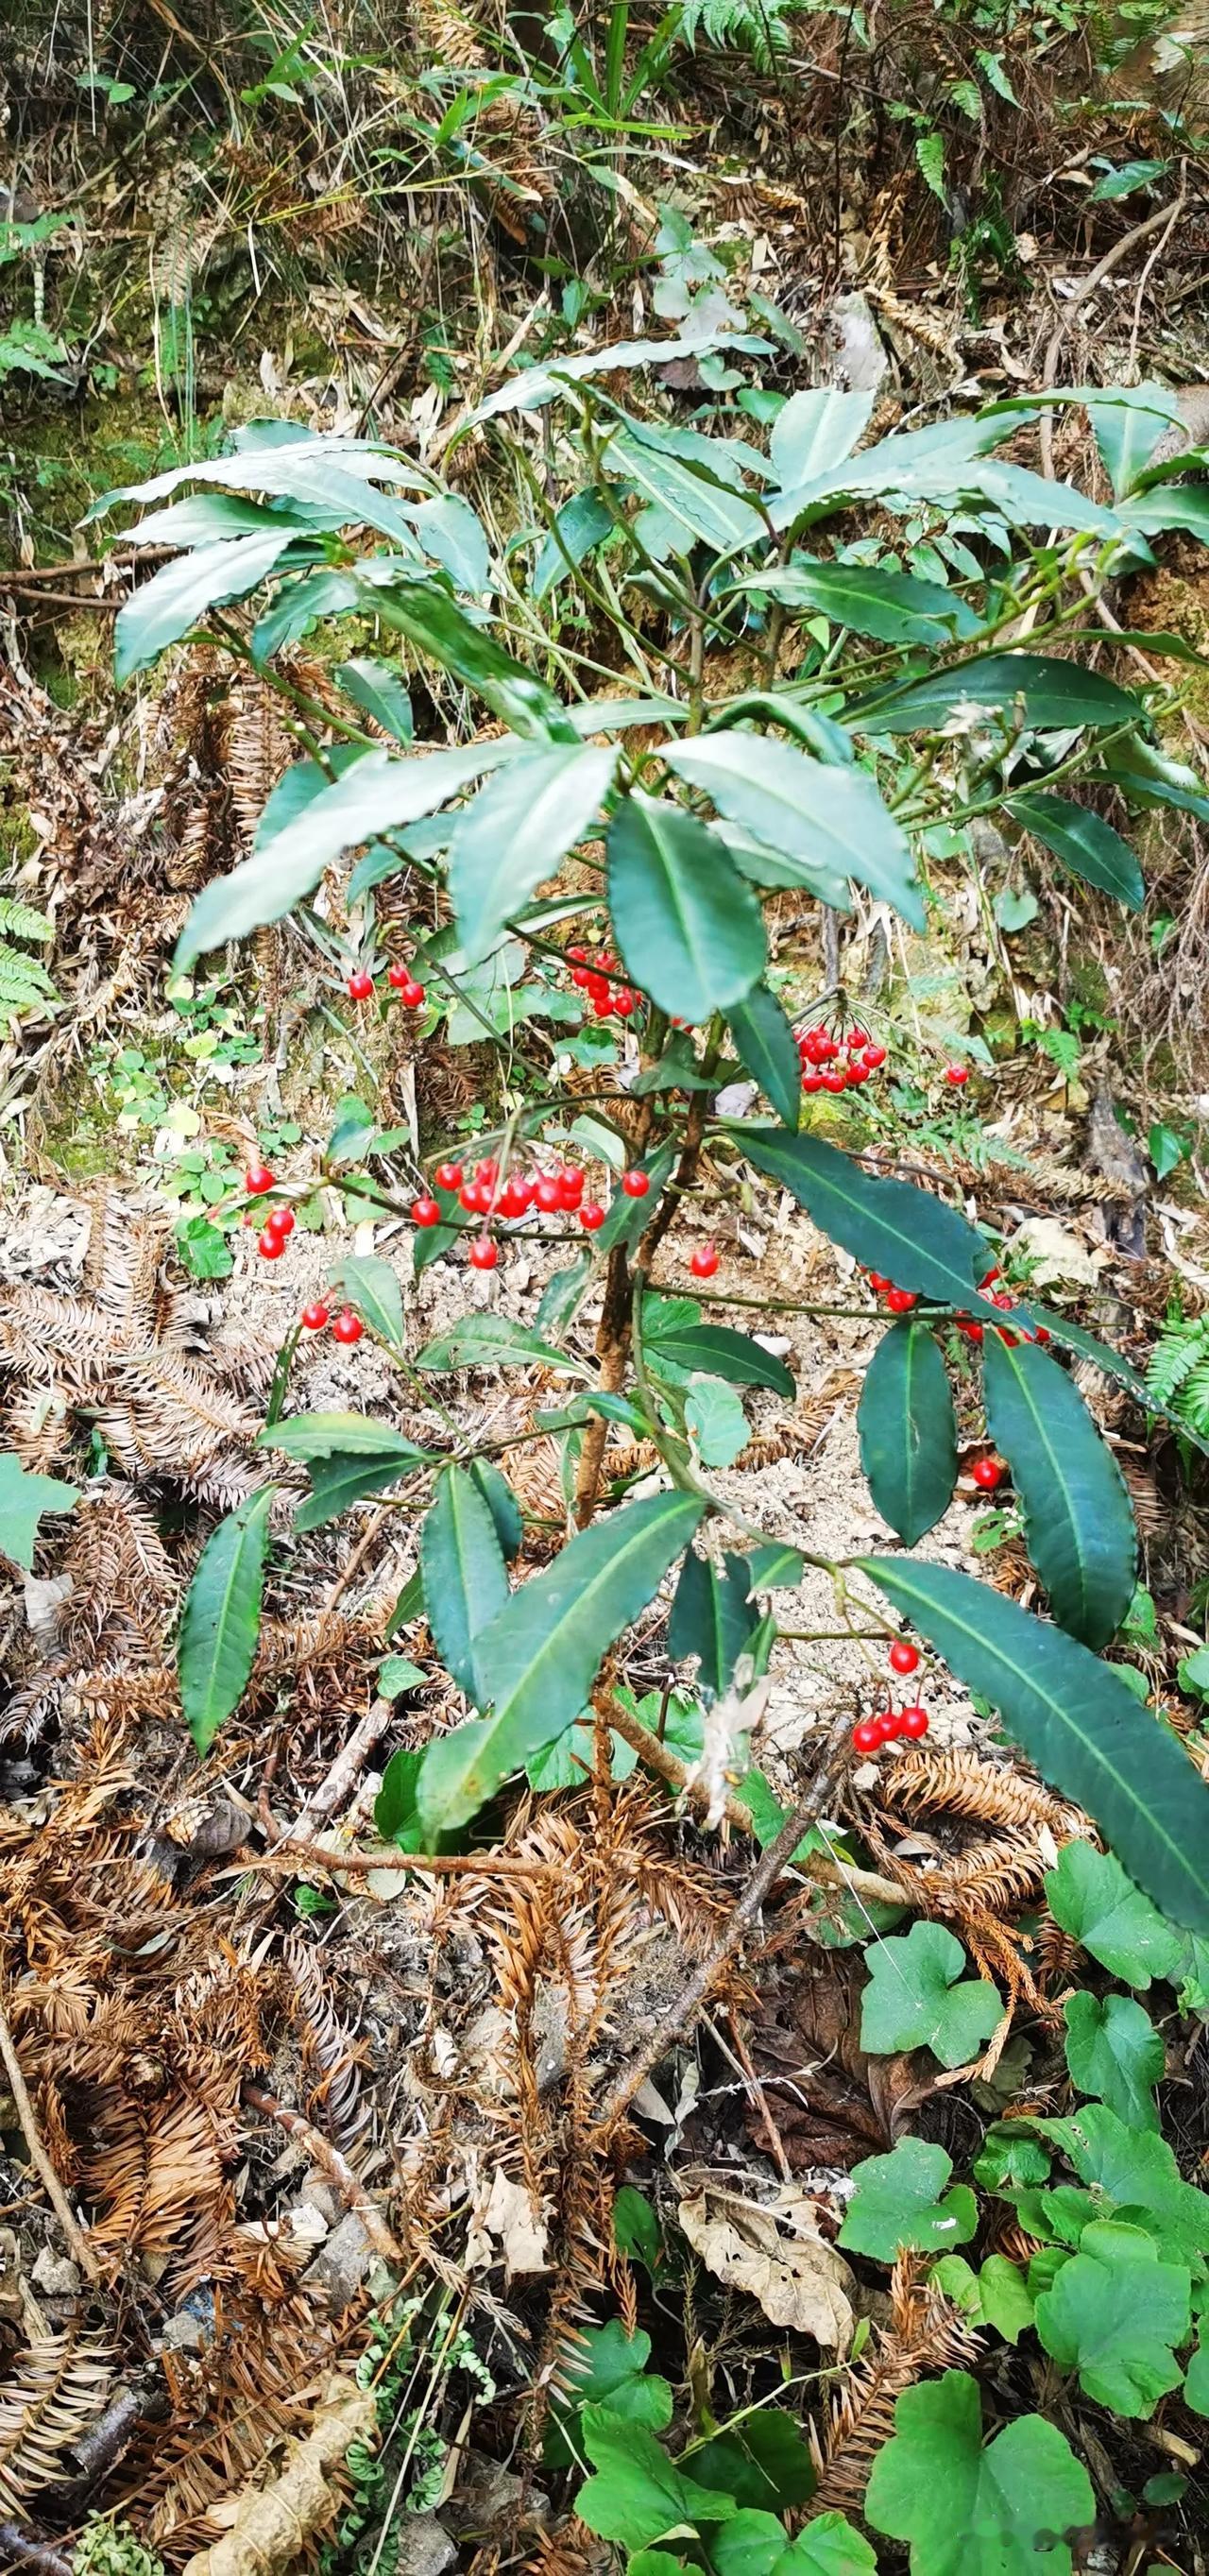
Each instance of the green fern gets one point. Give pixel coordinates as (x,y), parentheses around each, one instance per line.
(1178,1373)
(755,27)
(24,982)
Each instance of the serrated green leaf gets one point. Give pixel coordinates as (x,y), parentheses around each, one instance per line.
(1079,1724)
(465,1577)
(24,1497)
(829,816)
(699,509)
(871,599)
(917,1998)
(814,431)
(1078,1526)
(179,594)
(1090,1896)
(776,1568)
(902,2202)
(604,2366)
(908,1430)
(1050,693)
(580,526)
(689,928)
(501,1503)
(435,625)
(337,1482)
(373,1288)
(765,1043)
(516,833)
(970,2511)
(712,1617)
(493,1341)
(1137,2171)
(1114,2313)
(1084,843)
(715,1350)
(562,1293)
(220,1625)
(890,1226)
(1114,2052)
(377,689)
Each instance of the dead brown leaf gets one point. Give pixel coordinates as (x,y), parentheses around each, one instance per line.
(272,2527)
(773,2250)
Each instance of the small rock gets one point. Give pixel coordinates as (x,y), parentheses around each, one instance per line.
(340,2266)
(56,2275)
(424,2545)
(184,2333)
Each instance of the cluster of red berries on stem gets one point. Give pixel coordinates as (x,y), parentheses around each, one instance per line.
(483,1194)
(972,1330)
(899,1301)
(411,992)
(600,977)
(347,1326)
(837,1063)
(278,1224)
(894,1723)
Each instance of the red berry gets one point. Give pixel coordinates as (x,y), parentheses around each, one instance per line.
(879,1282)
(901,1300)
(258,1180)
(484,1253)
(603,1007)
(488,1171)
(591,1215)
(833,1081)
(623,1002)
(828,1050)
(971,1330)
(270,1246)
(448,1176)
(411,994)
(361,987)
(398,975)
(858,1072)
(913,1722)
(812,1082)
(513,1198)
(314,1317)
(1043,1333)
(994,1273)
(576,952)
(887,1724)
(425,1211)
(581,976)
(987,1473)
(548,1193)
(704,1261)
(903,1656)
(635,1184)
(874,1057)
(957,1074)
(856,1038)
(867,1736)
(570,1189)
(280,1222)
(347,1327)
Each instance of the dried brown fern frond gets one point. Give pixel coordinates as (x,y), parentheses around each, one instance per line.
(123,1585)
(57,2387)
(1000,1873)
(329,2048)
(569,2551)
(258,750)
(926,2334)
(959,1783)
(156,2177)
(252,2392)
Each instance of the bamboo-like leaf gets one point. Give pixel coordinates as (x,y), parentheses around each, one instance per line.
(831,816)
(340,1480)
(907,1430)
(179,594)
(493,1341)
(465,1577)
(712,1617)
(373,1288)
(517,832)
(1078,1526)
(714,1350)
(221,1621)
(1077,1722)
(1084,843)
(349,1435)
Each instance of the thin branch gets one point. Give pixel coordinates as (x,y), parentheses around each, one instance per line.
(81,2250)
(336,2167)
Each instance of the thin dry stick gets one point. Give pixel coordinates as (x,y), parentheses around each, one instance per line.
(74,2233)
(345,1772)
(16,2545)
(1112,259)
(836,1751)
(335,2166)
(293,1856)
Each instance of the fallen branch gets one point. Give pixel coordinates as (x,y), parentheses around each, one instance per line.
(337,2168)
(16,2545)
(81,2250)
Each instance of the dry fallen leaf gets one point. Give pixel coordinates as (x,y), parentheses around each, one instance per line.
(273,2527)
(1056,1253)
(507,2217)
(773,2250)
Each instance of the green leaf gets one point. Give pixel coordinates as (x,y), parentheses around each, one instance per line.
(712,1617)
(1084,843)
(604,2366)
(1137,2170)
(715,1419)
(716,1350)
(179,594)
(637,2232)
(465,1578)
(638,2494)
(516,833)
(760,2458)
(908,1430)
(698,509)
(1009,2156)
(397,1674)
(1004,2297)
(535,1662)
(432,621)
(376,794)
(1081,1727)
(562,1293)
(580,526)
(814,431)
(493,1341)
(764,1042)
(373,1288)
(1114,2313)
(1114,2051)
(973,2512)
(339,1481)
(901,2201)
(1129,422)
(628,1219)
(453,534)
(377,689)
(870,599)
(396,1811)
(1196,2384)
(501,1503)
(1166,1147)
(689,928)
(351,1435)
(776,1568)
(221,1620)
(1078,1526)
(830,817)
(756,2544)
(1090,1896)
(1050,694)
(914,1998)
(913,1238)
(24,1496)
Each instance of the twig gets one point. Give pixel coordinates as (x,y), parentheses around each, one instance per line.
(1112,259)
(375,1523)
(836,1751)
(57,598)
(293,1857)
(72,2230)
(16,2545)
(335,2166)
(346,1770)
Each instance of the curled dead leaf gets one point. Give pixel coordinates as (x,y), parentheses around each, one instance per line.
(272,2527)
(773,2250)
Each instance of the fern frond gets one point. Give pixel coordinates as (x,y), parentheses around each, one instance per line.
(20,921)
(56,2389)
(1178,1351)
(755,27)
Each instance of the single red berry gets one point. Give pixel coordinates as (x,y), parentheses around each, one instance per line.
(858,1072)
(411,994)
(280,1221)
(398,975)
(548,1193)
(901,1300)
(591,1215)
(856,1038)
(635,1184)
(603,1007)
(879,1282)
(887,1724)
(576,952)
(581,975)
(488,1170)
(570,1189)
(867,1736)
(1043,1333)
(994,1273)
(874,1057)
(903,1657)
(987,1473)
(623,1002)
(484,1254)
(828,1050)
(258,1180)
(833,1081)
(448,1176)
(425,1211)
(347,1327)
(704,1261)
(270,1246)
(514,1197)
(361,987)
(913,1722)
(971,1330)
(957,1074)
(314,1317)
(812,1082)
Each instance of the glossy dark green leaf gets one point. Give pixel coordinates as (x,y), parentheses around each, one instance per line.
(1082,1728)
(562,1293)
(221,1621)
(339,1481)
(1084,843)
(765,1043)
(501,1503)
(377,689)
(435,625)
(1078,1526)
(178,596)
(689,928)
(327,1435)
(871,599)
(911,1237)
(465,1578)
(580,526)
(698,508)
(908,1430)
(516,833)
(373,1288)
(1050,694)
(776,1567)
(628,1219)
(535,1662)
(492,1341)
(717,1351)
(831,817)
(712,1617)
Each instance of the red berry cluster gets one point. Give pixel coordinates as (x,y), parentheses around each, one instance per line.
(973,1330)
(886,1728)
(600,977)
(837,1063)
(411,992)
(899,1301)
(279,1223)
(347,1328)
(559,1193)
